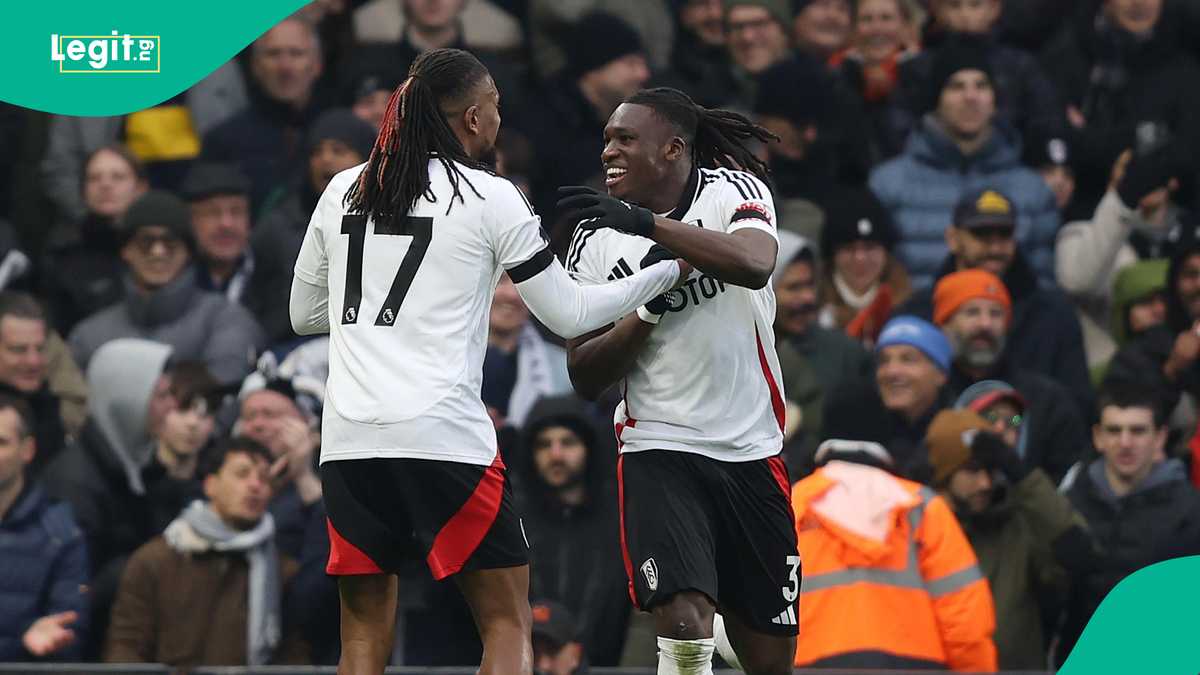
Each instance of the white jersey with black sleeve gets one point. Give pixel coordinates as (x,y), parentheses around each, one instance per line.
(407,310)
(708,380)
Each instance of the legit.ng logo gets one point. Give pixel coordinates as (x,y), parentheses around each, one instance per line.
(115,53)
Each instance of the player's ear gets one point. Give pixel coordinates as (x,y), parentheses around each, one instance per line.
(471,119)
(676,149)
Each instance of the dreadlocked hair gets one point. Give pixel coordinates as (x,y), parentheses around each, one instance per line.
(414,130)
(717,137)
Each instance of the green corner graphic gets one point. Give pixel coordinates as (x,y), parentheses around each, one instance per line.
(1147,624)
(179,44)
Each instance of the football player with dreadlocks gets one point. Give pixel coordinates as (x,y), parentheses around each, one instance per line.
(399,264)
(706,518)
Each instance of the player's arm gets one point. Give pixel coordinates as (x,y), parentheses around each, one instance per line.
(743,258)
(600,359)
(308,306)
(561,304)
(741,251)
(570,310)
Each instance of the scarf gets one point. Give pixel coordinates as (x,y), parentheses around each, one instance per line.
(198,529)
(534,379)
(852,299)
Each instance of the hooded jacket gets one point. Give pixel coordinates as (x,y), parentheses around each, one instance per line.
(1158,520)
(1043,334)
(574,551)
(1014,538)
(875,548)
(45,571)
(923,184)
(198,325)
(100,474)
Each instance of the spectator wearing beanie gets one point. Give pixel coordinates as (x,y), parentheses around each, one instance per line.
(822,27)
(814,360)
(959,147)
(1024,532)
(1025,97)
(913,362)
(606,63)
(873,541)
(973,309)
(219,197)
(338,140)
(862,281)
(162,300)
(1043,335)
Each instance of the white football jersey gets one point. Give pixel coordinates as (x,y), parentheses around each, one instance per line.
(707,380)
(408,311)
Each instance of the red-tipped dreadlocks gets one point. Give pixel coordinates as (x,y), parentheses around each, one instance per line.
(415,130)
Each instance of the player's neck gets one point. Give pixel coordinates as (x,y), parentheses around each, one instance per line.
(668,192)
(435,38)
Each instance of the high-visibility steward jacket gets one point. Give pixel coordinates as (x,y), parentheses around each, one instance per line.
(890,580)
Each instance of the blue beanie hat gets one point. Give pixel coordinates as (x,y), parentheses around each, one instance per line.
(919,333)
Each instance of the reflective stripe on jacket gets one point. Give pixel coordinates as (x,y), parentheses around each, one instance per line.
(890,580)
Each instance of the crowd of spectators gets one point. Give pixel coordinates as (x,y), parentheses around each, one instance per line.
(988,322)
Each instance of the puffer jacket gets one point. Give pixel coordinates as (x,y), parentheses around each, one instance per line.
(923,184)
(43,570)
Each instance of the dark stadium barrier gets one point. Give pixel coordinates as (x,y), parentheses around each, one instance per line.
(106,669)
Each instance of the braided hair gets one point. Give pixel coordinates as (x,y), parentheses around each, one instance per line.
(717,137)
(414,130)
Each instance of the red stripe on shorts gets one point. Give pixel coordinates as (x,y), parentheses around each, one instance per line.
(346,559)
(462,534)
(621,510)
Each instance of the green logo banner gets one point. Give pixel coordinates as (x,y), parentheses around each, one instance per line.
(1147,624)
(109,58)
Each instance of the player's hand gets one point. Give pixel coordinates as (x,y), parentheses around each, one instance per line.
(658,253)
(50,634)
(593,210)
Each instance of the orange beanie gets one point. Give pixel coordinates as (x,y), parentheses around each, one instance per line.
(955,289)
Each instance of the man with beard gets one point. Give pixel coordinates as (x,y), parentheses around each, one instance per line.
(973,308)
(1024,532)
(569,505)
(814,360)
(337,141)
(1043,332)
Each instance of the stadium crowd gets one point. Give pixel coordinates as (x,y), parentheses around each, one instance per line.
(988,320)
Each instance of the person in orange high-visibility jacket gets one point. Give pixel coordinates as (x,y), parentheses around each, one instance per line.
(890,580)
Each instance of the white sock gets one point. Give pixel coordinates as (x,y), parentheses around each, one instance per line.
(724,648)
(685,657)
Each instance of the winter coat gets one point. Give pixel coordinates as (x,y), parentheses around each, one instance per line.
(875,548)
(1158,520)
(43,570)
(65,380)
(922,186)
(1043,334)
(1056,435)
(198,325)
(190,610)
(702,70)
(95,279)
(275,243)
(1121,83)
(1014,539)
(575,551)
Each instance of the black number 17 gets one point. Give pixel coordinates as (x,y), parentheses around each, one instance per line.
(420,229)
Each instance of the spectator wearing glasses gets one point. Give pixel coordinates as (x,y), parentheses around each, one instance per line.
(972,307)
(162,300)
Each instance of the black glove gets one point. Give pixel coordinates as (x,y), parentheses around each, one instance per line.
(658,253)
(1146,173)
(991,452)
(593,210)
